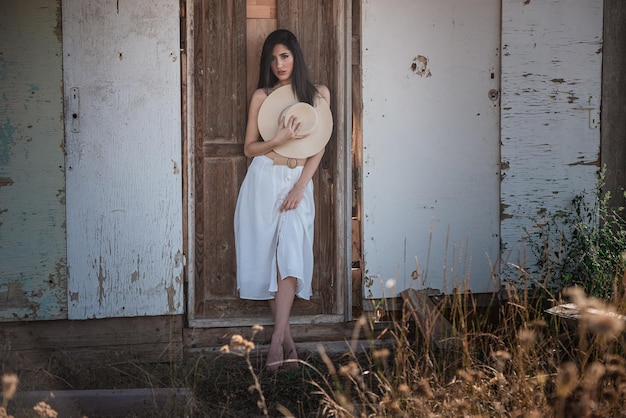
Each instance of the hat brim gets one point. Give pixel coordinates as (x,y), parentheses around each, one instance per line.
(269,118)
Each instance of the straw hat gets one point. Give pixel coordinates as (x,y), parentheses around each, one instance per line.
(316,123)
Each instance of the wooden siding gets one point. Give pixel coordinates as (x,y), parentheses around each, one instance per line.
(430,182)
(102,341)
(123,167)
(614,100)
(33,280)
(551,66)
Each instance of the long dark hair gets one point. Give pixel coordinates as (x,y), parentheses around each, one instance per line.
(302,87)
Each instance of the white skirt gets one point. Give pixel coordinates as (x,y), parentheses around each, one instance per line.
(268,243)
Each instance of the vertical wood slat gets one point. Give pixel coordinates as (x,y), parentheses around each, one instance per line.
(220,114)
(613,108)
(257,29)
(316,38)
(356,154)
(261,9)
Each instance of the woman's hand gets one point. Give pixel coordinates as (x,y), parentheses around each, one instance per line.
(287,131)
(293,198)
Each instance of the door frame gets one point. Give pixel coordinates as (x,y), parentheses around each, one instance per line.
(342,177)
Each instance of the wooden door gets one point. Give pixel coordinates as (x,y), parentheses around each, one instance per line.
(121,75)
(223,77)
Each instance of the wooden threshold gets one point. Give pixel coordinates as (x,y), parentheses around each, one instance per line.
(262,320)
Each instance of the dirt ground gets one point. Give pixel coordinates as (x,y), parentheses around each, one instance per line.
(221,385)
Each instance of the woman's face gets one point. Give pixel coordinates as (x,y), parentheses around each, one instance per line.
(282,64)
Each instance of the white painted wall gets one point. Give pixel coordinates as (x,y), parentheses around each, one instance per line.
(430,143)
(123,165)
(551,78)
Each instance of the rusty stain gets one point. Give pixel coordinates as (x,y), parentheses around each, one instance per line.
(503,214)
(74,297)
(420,66)
(135,275)
(58,29)
(171,292)
(6,181)
(13,296)
(178,259)
(176,169)
(526,2)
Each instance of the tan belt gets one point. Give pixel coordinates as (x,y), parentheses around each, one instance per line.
(282,160)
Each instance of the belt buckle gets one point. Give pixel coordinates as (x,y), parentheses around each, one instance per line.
(292,162)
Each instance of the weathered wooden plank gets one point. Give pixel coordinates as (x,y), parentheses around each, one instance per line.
(150,339)
(613,132)
(261,9)
(124,184)
(216,311)
(319,47)
(551,79)
(257,31)
(434,326)
(219,166)
(198,338)
(33,275)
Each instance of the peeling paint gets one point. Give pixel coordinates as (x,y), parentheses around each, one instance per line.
(7,141)
(595,163)
(6,181)
(134,277)
(101,279)
(171,293)
(123,234)
(33,270)
(551,139)
(420,66)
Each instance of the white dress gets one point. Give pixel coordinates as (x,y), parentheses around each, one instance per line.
(268,242)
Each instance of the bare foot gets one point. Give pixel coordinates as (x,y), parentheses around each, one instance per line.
(274,358)
(291,358)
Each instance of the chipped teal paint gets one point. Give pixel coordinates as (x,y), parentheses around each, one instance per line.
(33,276)
(7,140)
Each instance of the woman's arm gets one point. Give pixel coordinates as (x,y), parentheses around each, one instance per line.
(310,167)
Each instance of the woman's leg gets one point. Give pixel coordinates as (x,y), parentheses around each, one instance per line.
(282,342)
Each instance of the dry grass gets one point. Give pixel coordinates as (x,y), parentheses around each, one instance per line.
(509,360)
(522,365)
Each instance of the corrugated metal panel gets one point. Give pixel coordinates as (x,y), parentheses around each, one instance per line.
(32,182)
(551,66)
(124,185)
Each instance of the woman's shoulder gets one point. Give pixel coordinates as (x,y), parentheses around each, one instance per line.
(260,93)
(258,97)
(323,91)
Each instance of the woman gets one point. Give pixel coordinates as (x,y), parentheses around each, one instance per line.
(275,208)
